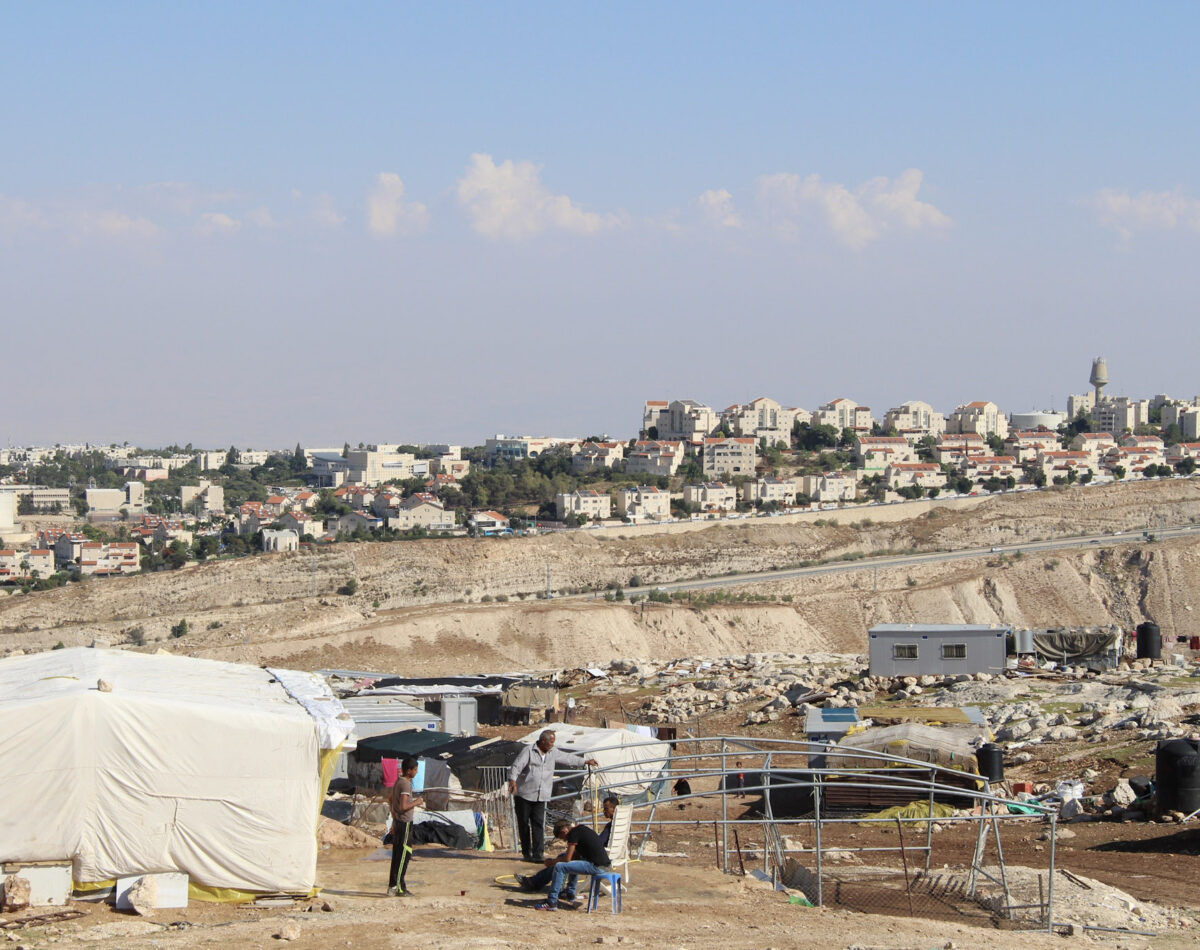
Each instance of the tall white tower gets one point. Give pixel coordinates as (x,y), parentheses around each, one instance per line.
(1099,377)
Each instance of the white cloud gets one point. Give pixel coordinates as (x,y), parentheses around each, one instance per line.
(17,214)
(388,213)
(325,212)
(217,222)
(114,224)
(183,197)
(509,201)
(261,217)
(857,217)
(717,207)
(1145,211)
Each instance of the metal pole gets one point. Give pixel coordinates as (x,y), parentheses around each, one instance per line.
(1050,876)
(724,808)
(817,839)
(904,859)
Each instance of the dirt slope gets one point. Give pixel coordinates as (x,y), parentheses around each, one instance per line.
(285,608)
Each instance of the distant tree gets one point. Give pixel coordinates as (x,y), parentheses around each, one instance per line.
(180,629)
(1086,477)
(1010,483)
(299,459)
(1118,472)
(1186,466)
(1072,476)
(346,450)
(1172,434)
(232,457)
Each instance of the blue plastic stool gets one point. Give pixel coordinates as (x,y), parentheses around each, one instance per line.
(614,882)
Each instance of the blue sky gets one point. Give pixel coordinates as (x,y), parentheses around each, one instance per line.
(274,222)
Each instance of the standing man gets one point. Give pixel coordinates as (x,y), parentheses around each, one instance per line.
(403,803)
(531,783)
(584,855)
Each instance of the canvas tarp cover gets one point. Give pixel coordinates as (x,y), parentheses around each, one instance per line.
(396,745)
(531,697)
(631,766)
(1073,644)
(187,765)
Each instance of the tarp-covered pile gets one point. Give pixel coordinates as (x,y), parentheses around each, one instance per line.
(129,763)
(948,747)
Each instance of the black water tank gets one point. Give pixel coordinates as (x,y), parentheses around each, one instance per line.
(991,761)
(1149,641)
(1177,775)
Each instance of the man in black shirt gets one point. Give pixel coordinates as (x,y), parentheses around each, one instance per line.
(535,882)
(584,855)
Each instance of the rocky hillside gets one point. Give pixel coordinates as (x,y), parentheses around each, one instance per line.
(419,605)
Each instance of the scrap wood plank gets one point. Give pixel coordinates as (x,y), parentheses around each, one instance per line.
(39,919)
(1073,879)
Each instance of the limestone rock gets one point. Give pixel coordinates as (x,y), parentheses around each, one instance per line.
(288,930)
(143,896)
(16,892)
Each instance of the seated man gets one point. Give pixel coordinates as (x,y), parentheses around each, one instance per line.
(535,882)
(584,855)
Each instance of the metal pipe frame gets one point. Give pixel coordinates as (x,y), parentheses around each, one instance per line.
(885,772)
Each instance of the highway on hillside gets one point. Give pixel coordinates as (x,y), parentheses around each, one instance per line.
(906,560)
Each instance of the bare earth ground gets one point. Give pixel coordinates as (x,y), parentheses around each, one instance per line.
(283,610)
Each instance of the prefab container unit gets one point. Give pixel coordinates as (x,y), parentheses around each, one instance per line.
(460,715)
(938,649)
(382,715)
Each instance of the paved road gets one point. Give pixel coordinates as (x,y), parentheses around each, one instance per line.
(905,560)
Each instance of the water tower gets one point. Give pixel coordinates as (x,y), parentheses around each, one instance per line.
(1099,377)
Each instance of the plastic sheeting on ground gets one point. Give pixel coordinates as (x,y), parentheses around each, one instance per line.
(189,765)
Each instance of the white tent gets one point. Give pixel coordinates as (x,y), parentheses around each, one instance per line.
(213,769)
(632,762)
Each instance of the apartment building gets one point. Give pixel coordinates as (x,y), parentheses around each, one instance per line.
(1116,414)
(654,458)
(585,502)
(511,448)
(110,502)
(769,489)
(844,413)
(710,496)
(981,418)
(728,457)
(107,558)
(644,503)
(204,498)
(921,474)
(991,466)
(874,453)
(18,565)
(377,464)
(914,420)
(421,510)
(67,546)
(683,420)
(1026,444)
(591,456)
(759,419)
(489,522)
(830,487)
(1185,415)
(302,523)
(1095,444)
(1060,464)
(955,449)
